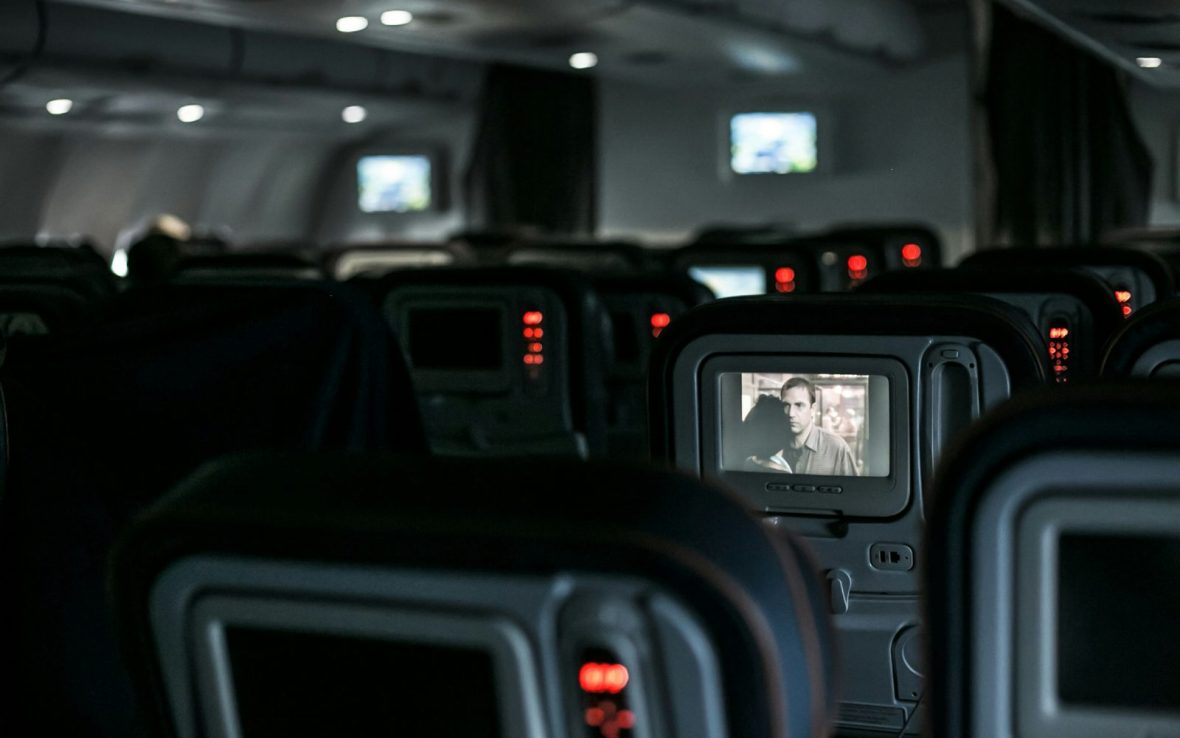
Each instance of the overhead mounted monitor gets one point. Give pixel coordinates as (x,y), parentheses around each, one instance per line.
(774,143)
(395,184)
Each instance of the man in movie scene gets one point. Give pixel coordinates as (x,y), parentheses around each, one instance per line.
(811,449)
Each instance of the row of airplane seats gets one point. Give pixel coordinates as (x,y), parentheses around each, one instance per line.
(179,373)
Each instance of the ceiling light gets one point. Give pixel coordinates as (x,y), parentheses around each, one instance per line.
(352,24)
(1149,62)
(60,106)
(584,60)
(190,113)
(396,18)
(354,114)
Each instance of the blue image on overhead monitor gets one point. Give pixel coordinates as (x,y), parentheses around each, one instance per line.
(773,143)
(731,281)
(394,184)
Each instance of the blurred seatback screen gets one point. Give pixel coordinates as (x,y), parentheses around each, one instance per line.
(731,281)
(463,339)
(290,683)
(1117,625)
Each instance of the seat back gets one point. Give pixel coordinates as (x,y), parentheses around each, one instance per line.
(373,260)
(740,268)
(1054,556)
(1136,278)
(507,360)
(1148,344)
(101,425)
(379,595)
(640,306)
(1075,312)
(883,383)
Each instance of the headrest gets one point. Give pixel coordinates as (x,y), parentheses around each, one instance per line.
(1155,268)
(176,375)
(1147,345)
(1054,544)
(586,255)
(580,532)
(345,261)
(1096,296)
(770,256)
(79,269)
(247,265)
(1002,327)
(678,286)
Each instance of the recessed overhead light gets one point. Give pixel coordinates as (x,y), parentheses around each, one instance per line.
(190,113)
(1149,62)
(354,114)
(397,18)
(60,106)
(352,24)
(584,60)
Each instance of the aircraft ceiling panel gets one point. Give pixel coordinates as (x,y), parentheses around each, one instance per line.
(1131,34)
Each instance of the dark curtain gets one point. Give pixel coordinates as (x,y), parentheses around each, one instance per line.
(535,159)
(1069,163)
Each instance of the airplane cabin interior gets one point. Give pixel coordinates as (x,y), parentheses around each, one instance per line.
(590,368)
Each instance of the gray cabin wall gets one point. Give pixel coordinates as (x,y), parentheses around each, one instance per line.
(900,150)
(1157,116)
(106,186)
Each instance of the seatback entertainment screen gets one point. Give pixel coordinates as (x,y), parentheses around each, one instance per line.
(812,424)
(456,339)
(731,281)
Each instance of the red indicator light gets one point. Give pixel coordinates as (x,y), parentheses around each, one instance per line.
(595,717)
(610,678)
(660,320)
(530,359)
(616,678)
(857,263)
(1126,310)
(529,332)
(533,317)
(540,360)
(626,719)
(1058,332)
(784,274)
(538,332)
(1122,295)
(784,286)
(911,252)
(536,348)
(591,677)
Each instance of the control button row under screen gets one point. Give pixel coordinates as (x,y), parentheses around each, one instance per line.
(804,488)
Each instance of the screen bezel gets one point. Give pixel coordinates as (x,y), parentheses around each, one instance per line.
(1036,541)
(772,492)
(213,614)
